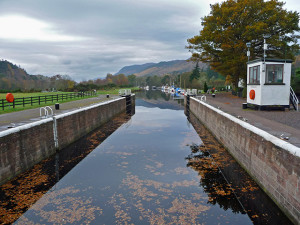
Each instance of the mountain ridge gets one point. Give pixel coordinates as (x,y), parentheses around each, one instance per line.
(160,68)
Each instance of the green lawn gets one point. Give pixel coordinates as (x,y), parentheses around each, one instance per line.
(36,105)
(21,95)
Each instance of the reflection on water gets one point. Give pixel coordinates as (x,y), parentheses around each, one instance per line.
(212,180)
(226,183)
(151,170)
(23,191)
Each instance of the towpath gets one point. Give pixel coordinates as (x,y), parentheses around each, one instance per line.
(27,116)
(277,123)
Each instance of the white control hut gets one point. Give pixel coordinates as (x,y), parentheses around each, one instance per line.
(268,83)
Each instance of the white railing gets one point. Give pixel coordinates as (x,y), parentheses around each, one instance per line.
(294,99)
(46,113)
(191,92)
(202,98)
(125,92)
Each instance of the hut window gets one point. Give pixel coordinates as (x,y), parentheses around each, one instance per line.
(274,74)
(254,75)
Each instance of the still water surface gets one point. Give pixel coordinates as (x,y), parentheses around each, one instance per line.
(153,169)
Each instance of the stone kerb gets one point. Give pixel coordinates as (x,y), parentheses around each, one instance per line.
(272,162)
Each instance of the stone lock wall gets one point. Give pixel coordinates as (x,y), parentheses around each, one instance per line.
(24,146)
(272,162)
(21,147)
(71,126)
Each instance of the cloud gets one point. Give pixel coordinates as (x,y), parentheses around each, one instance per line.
(87,39)
(22,28)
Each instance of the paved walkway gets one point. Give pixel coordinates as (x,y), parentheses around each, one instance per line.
(27,116)
(274,122)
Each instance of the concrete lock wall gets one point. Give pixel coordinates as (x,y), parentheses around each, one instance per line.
(24,146)
(272,162)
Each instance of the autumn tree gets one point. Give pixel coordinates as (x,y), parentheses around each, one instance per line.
(233,23)
(109,78)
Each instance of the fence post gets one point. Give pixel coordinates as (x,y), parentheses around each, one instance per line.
(31,100)
(14,104)
(23,102)
(3,104)
(57,97)
(39,100)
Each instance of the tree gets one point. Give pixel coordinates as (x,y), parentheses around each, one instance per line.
(109,78)
(195,74)
(228,80)
(153,80)
(233,23)
(166,80)
(132,80)
(296,81)
(205,87)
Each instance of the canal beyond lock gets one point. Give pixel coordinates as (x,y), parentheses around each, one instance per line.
(157,166)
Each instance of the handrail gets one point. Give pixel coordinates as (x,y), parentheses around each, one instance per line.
(50,110)
(202,98)
(45,110)
(294,99)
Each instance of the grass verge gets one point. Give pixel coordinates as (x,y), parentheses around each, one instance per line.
(36,105)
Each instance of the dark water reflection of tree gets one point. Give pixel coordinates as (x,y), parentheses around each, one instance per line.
(213,181)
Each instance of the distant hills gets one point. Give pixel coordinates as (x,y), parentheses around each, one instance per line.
(9,70)
(161,68)
(14,77)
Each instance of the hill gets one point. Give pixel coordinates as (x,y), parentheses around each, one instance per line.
(10,70)
(161,68)
(13,77)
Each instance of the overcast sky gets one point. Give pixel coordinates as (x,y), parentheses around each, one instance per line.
(87,39)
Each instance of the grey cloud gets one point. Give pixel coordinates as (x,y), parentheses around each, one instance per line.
(118,33)
(114,34)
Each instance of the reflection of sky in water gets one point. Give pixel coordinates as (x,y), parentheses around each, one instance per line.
(137,175)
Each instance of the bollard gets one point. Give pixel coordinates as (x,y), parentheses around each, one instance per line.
(213,95)
(57,106)
(244,105)
(107,96)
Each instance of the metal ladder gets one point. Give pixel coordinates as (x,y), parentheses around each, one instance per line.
(294,99)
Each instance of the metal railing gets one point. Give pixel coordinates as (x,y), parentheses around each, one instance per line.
(294,99)
(43,99)
(202,98)
(46,111)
